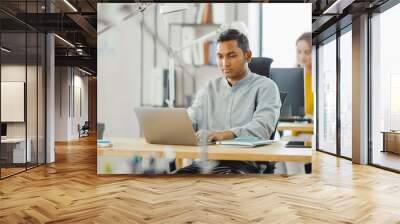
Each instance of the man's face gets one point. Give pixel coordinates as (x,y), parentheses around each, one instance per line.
(231,59)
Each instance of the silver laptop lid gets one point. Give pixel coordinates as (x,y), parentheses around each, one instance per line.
(169,126)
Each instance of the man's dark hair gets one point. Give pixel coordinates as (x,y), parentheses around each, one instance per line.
(232,34)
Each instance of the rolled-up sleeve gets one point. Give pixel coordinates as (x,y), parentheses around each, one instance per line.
(265,116)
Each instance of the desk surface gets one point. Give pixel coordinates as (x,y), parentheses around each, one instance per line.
(13,140)
(294,126)
(125,147)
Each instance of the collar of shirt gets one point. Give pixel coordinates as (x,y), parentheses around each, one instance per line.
(240,83)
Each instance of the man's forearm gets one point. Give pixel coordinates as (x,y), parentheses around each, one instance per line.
(228,134)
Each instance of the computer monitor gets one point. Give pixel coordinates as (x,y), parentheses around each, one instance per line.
(291,81)
(3,129)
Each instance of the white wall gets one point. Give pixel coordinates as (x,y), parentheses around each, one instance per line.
(33,126)
(61,103)
(11,73)
(67,115)
(81,108)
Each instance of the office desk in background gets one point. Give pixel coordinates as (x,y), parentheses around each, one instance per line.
(296,126)
(13,150)
(391,141)
(125,147)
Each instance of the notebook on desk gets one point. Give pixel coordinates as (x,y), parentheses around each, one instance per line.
(104,143)
(245,142)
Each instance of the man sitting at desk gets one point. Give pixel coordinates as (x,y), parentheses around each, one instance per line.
(238,104)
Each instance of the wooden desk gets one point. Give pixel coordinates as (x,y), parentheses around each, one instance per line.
(293,126)
(391,141)
(124,147)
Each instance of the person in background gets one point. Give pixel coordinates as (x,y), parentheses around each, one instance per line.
(304,59)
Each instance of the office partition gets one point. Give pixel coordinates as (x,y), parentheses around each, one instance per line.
(14,154)
(23,88)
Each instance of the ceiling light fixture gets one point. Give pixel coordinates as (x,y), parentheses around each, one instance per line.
(338,6)
(70,5)
(5,50)
(84,71)
(64,40)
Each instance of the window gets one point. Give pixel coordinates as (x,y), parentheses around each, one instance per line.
(254,28)
(346,94)
(385,84)
(276,35)
(327,96)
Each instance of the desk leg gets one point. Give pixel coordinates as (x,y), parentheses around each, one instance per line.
(308,168)
(179,163)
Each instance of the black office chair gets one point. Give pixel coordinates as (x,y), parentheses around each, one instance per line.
(283,98)
(84,129)
(261,66)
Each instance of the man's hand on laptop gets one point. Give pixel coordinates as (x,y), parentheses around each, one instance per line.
(214,135)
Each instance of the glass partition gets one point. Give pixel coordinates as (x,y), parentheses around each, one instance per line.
(22,91)
(14,151)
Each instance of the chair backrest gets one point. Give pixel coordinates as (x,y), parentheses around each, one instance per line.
(283,98)
(261,66)
(86,125)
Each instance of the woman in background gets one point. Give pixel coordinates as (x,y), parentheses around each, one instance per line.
(304,59)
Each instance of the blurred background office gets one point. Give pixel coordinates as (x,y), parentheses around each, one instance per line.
(137,46)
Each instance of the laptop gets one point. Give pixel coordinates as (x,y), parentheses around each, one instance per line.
(167,126)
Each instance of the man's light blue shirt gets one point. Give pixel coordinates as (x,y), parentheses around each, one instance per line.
(249,108)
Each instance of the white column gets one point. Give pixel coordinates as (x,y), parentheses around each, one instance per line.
(50,99)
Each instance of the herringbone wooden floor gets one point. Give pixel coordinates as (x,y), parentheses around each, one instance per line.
(69,191)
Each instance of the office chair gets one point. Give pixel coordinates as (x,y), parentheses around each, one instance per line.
(261,66)
(283,98)
(84,130)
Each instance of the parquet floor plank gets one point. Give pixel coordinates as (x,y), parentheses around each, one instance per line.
(70,191)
